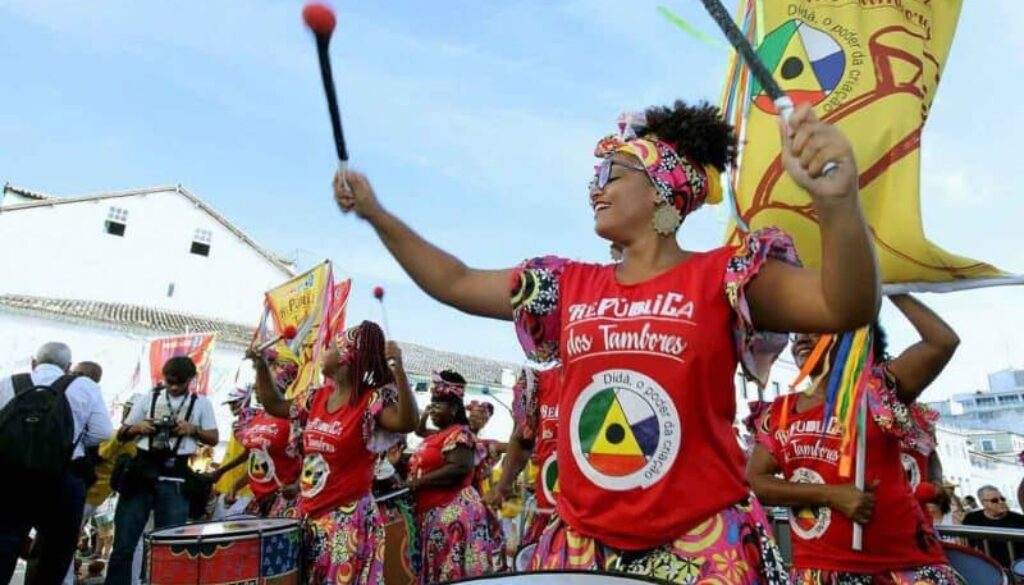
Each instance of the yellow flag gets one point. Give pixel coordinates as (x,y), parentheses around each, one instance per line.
(304,303)
(872,69)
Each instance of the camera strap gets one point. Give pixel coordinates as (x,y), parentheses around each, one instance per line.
(188,415)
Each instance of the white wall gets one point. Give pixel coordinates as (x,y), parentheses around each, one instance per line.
(971,471)
(64,251)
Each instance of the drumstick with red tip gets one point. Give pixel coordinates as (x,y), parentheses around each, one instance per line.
(320,20)
(378,293)
(288,334)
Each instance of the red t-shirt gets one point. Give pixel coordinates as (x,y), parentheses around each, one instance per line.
(647,399)
(430,456)
(271,462)
(898,535)
(544,440)
(338,466)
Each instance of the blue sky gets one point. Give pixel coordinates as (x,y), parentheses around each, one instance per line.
(475,121)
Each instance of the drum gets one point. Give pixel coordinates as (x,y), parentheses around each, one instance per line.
(974,566)
(560,578)
(396,508)
(256,551)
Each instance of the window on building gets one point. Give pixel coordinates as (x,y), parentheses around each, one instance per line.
(988,445)
(201,242)
(987,401)
(117,221)
(421,387)
(170,290)
(1009,399)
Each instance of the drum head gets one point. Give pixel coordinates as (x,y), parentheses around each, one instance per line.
(561,578)
(230,529)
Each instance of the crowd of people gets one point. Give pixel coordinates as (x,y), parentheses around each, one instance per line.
(626,424)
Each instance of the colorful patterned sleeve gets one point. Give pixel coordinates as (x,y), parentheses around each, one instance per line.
(913,425)
(376,437)
(535,306)
(462,437)
(763,433)
(525,408)
(757,350)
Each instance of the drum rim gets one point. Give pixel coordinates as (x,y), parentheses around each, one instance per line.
(628,577)
(283,526)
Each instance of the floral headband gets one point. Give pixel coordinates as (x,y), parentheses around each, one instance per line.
(683,184)
(485,407)
(348,344)
(441,388)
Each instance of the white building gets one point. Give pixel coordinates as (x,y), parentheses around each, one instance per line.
(999,408)
(106,272)
(159,247)
(972,458)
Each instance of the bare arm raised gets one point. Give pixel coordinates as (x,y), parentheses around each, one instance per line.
(438,273)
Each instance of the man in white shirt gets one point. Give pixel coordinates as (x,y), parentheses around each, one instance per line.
(167,425)
(52,507)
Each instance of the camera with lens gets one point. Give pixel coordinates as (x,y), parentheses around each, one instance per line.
(163,433)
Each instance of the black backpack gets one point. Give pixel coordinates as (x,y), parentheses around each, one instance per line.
(37,428)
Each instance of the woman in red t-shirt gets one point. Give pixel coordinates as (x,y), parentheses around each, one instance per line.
(899,545)
(271,454)
(651,474)
(535,414)
(458,541)
(345,424)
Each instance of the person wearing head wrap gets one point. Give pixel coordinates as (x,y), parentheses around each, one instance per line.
(487,454)
(361,410)
(900,545)
(455,526)
(273,460)
(535,415)
(651,474)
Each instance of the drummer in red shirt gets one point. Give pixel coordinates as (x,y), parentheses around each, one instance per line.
(652,479)
(458,539)
(357,414)
(899,544)
(535,412)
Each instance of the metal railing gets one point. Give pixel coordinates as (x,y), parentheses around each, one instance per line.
(988,540)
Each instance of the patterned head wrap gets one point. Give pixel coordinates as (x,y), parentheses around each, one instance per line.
(441,388)
(347,343)
(239,394)
(682,183)
(485,407)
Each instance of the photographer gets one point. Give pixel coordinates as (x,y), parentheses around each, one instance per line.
(167,428)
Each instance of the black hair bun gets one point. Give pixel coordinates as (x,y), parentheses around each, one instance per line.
(697,131)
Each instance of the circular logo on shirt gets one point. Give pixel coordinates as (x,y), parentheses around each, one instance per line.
(314,475)
(549,477)
(912,469)
(809,522)
(625,430)
(261,466)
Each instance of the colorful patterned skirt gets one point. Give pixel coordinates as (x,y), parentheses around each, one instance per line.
(457,540)
(273,505)
(733,547)
(536,522)
(346,546)
(927,575)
